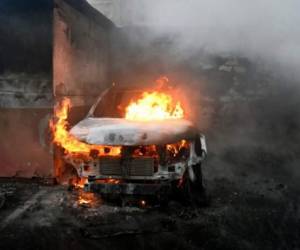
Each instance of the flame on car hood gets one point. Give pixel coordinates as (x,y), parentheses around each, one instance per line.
(154,106)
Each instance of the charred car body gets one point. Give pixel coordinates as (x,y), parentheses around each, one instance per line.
(133,157)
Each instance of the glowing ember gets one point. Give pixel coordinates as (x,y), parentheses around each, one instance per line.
(62,137)
(80,182)
(154,106)
(113,181)
(175,148)
(83,201)
(85,198)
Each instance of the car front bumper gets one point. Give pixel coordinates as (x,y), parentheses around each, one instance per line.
(129,188)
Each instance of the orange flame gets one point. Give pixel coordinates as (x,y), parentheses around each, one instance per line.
(87,199)
(63,138)
(154,106)
(176,147)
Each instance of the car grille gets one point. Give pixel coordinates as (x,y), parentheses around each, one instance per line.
(110,166)
(139,166)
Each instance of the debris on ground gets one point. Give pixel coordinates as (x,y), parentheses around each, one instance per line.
(237,217)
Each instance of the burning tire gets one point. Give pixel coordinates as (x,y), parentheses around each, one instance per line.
(64,172)
(191,192)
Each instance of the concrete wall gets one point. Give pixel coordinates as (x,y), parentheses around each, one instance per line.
(25,87)
(81,60)
(48,50)
(81,52)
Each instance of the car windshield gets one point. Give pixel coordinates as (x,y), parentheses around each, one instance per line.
(114,103)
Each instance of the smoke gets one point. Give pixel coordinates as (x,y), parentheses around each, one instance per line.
(258,29)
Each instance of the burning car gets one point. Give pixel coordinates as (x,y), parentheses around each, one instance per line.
(146,149)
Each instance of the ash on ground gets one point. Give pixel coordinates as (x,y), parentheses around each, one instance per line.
(245,214)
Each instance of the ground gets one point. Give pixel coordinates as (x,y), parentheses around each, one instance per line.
(241,214)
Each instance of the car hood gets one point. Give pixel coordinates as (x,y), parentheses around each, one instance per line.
(118,131)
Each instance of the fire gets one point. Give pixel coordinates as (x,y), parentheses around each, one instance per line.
(83,201)
(87,199)
(174,149)
(154,106)
(79,183)
(63,138)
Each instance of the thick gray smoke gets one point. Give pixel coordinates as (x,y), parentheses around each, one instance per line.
(257,29)
(266,29)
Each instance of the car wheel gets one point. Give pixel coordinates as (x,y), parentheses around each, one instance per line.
(64,172)
(193,192)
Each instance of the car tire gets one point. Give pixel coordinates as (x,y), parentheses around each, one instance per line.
(193,192)
(64,172)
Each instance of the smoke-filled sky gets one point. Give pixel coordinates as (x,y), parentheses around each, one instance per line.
(268,29)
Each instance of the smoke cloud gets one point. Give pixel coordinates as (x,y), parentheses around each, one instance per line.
(258,29)
(265,29)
